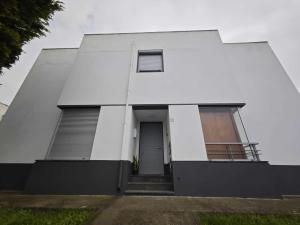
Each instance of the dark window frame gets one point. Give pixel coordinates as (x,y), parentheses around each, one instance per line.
(150,52)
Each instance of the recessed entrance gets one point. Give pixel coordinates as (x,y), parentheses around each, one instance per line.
(151,152)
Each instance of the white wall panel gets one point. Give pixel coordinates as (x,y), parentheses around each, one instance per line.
(27,128)
(97,78)
(196,70)
(272,111)
(129,142)
(187,141)
(109,134)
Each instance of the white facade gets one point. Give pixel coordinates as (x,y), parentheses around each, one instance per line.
(198,70)
(28,126)
(271,114)
(104,64)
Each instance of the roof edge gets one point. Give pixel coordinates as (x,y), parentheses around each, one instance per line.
(57,48)
(245,42)
(151,32)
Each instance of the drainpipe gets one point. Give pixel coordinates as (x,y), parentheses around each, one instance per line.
(124,141)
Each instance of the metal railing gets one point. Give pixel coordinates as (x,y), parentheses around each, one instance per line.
(233,151)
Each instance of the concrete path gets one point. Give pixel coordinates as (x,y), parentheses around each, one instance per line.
(136,210)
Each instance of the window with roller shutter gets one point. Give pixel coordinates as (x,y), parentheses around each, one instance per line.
(75,134)
(150,61)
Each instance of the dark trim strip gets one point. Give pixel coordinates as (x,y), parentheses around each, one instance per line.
(192,103)
(240,105)
(158,106)
(87,106)
(149,107)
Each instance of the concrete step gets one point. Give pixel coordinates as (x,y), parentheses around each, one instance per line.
(149,192)
(149,178)
(162,186)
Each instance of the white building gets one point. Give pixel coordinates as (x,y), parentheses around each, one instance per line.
(203,118)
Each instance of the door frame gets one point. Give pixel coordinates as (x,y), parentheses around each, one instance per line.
(163,146)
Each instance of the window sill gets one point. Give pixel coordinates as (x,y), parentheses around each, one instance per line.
(150,71)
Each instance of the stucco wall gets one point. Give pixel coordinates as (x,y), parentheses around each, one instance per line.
(129,142)
(109,134)
(100,73)
(199,69)
(187,141)
(132,139)
(272,111)
(28,126)
(196,70)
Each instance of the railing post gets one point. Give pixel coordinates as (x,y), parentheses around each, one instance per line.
(231,156)
(256,153)
(252,151)
(245,151)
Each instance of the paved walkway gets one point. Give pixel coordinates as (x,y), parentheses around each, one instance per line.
(135,210)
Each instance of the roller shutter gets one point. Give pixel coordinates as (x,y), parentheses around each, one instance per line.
(75,135)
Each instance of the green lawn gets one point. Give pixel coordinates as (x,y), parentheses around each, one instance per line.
(247,219)
(44,216)
(81,216)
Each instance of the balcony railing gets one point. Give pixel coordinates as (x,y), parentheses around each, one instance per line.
(233,151)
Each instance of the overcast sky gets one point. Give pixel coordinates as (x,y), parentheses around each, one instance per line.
(277,21)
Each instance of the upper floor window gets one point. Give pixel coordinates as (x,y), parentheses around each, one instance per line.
(150,61)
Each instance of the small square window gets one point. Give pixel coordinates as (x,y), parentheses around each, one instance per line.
(150,61)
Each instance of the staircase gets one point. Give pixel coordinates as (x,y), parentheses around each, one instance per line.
(150,185)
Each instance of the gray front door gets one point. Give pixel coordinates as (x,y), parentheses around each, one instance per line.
(151,149)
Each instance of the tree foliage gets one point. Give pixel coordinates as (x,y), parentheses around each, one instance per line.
(20,22)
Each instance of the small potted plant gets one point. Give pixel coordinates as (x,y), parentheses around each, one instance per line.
(135,166)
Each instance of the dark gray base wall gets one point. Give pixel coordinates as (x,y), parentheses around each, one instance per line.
(76,177)
(288,179)
(13,176)
(191,178)
(235,179)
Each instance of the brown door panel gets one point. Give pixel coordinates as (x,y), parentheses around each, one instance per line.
(219,127)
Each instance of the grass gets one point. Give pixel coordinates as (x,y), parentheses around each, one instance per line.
(247,219)
(10,216)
